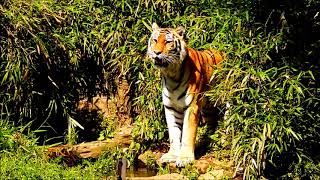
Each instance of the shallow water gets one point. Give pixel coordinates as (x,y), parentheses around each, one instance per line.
(125,172)
(140,172)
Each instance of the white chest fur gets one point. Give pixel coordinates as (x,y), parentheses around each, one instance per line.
(179,98)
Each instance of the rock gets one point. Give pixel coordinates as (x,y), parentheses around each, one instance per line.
(202,166)
(164,177)
(214,174)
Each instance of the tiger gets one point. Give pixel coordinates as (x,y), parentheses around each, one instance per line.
(185,73)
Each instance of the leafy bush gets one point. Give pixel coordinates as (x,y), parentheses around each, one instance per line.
(54,53)
(13,138)
(272,124)
(33,166)
(21,158)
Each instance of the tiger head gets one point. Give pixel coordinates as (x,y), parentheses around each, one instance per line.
(167,48)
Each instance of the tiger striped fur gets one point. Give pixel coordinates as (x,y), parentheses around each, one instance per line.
(185,73)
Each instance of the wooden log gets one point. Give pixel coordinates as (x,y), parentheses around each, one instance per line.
(93,149)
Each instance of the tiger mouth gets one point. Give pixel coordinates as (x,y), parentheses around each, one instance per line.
(160,62)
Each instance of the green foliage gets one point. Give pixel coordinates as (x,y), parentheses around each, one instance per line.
(21,158)
(267,106)
(54,53)
(30,165)
(109,128)
(149,158)
(150,122)
(13,138)
(164,170)
(273,119)
(190,171)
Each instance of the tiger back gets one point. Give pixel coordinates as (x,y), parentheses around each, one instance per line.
(185,73)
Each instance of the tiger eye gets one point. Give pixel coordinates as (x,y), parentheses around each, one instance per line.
(169,43)
(170,46)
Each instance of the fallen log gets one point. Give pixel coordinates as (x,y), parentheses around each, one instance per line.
(93,149)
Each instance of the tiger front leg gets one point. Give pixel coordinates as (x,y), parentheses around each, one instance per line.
(190,124)
(174,121)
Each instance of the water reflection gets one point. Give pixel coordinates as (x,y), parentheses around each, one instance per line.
(124,172)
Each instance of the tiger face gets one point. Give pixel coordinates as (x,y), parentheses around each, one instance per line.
(167,48)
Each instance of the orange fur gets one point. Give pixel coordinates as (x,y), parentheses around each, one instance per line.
(201,69)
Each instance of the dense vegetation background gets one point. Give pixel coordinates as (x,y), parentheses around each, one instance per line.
(55,53)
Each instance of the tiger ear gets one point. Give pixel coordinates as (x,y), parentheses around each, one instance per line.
(155,26)
(180,30)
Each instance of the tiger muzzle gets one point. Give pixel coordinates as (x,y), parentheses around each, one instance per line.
(158,61)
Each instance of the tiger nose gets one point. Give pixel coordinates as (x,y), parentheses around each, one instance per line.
(157,52)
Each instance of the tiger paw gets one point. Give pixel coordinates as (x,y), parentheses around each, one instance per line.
(168,157)
(183,160)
